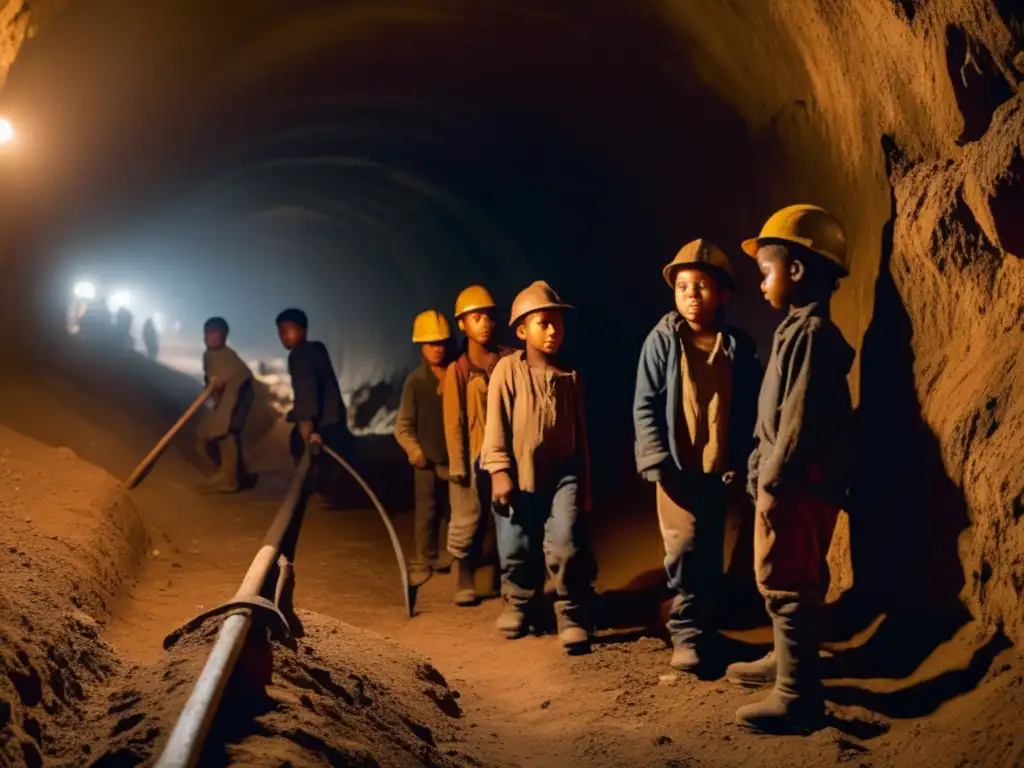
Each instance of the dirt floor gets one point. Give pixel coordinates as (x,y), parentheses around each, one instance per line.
(92,581)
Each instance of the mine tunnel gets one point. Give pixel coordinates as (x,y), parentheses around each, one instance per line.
(367,161)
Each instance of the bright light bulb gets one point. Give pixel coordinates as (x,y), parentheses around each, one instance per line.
(85,290)
(119,299)
(6,132)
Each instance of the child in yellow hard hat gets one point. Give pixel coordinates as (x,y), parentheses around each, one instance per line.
(799,470)
(465,412)
(419,429)
(535,447)
(693,414)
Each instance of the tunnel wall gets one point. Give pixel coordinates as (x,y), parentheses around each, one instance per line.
(904,119)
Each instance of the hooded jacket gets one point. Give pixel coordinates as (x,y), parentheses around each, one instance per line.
(657,401)
(805,414)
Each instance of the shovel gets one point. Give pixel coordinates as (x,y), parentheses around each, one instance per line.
(407,589)
(147,463)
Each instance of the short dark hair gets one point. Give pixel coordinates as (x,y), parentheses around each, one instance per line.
(819,269)
(216,324)
(295,317)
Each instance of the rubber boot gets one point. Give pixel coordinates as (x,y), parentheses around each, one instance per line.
(753,674)
(573,630)
(465,589)
(512,621)
(685,657)
(419,572)
(797,704)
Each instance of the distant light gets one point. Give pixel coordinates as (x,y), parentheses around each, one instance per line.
(85,290)
(6,132)
(120,299)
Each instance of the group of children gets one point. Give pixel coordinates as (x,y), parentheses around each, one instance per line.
(318,412)
(504,432)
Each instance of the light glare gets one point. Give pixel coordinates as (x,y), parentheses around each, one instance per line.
(120,299)
(6,132)
(85,290)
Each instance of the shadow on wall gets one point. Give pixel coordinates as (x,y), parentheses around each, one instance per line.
(906,515)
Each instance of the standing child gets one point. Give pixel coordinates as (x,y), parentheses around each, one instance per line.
(465,412)
(220,429)
(319,412)
(693,413)
(799,470)
(535,448)
(419,429)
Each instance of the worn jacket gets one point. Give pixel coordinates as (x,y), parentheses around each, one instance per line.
(657,401)
(419,428)
(536,425)
(465,412)
(233,401)
(315,385)
(805,415)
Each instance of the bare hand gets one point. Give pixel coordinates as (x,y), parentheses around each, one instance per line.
(501,488)
(766,502)
(418,460)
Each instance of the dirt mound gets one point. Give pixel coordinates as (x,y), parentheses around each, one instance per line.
(69,537)
(341,696)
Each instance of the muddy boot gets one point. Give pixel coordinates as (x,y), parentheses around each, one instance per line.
(753,674)
(419,572)
(797,704)
(226,479)
(573,628)
(465,589)
(512,621)
(685,657)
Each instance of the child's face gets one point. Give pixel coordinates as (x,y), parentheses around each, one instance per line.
(698,297)
(215,338)
(478,326)
(433,353)
(291,335)
(777,282)
(543,331)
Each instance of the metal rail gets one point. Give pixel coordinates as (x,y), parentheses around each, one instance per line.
(186,742)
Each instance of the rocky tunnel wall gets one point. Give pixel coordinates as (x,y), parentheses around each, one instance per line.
(634,130)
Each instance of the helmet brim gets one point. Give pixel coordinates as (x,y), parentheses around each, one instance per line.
(518,319)
(753,245)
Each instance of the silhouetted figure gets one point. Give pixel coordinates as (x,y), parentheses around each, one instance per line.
(150,339)
(123,329)
(96,323)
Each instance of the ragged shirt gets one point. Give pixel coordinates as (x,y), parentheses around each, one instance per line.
(232,402)
(805,414)
(536,423)
(706,379)
(465,412)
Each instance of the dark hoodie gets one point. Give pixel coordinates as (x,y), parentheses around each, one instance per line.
(658,400)
(804,413)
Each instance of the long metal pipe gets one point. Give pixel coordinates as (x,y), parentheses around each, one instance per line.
(185,744)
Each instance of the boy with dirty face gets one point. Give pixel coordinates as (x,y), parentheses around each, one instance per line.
(799,470)
(535,448)
(220,428)
(693,415)
(464,403)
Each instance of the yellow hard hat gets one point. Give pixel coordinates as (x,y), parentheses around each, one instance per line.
(696,253)
(810,226)
(536,296)
(473,299)
(430,327)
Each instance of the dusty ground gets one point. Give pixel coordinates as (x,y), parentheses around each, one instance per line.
(87,680)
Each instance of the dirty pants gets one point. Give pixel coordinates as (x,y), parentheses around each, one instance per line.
(790,548)
(468,525)
(226,455)
(430,487)
(691,514)
(544,534)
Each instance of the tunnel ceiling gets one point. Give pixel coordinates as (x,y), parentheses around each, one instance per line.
(584,142)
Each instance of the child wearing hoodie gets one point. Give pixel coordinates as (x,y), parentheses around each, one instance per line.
(799,470)
(693,415)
